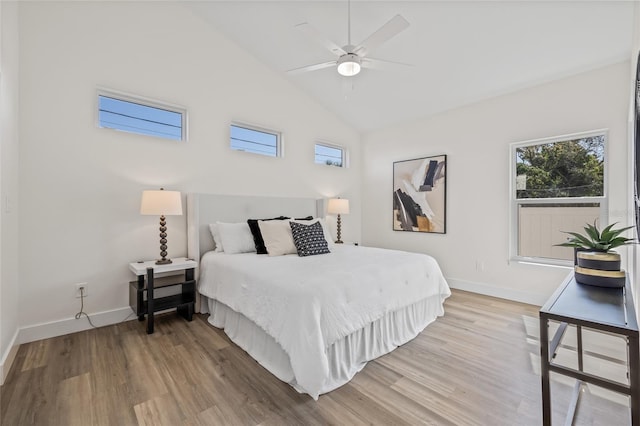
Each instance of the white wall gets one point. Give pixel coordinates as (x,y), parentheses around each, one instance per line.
(9,284)
(81,186)
(476,140)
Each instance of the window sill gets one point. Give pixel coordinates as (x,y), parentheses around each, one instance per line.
(553,263)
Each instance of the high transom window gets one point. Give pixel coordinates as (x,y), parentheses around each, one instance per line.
(256,140)
(329,154)
(134,114)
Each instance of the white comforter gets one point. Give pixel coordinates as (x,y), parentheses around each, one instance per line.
(308,303)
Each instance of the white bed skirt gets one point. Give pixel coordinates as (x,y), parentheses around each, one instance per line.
(346,356)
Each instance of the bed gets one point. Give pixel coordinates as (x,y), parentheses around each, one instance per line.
(314,321)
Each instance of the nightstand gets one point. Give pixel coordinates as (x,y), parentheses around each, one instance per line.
(142,297)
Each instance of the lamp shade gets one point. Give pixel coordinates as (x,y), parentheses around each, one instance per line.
(161,202)
(338,206)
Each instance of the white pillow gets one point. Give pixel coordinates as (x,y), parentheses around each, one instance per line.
(277,237)
(215,233)
(236,237)
(325,229)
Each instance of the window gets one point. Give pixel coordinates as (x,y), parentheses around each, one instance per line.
(138,115)
(557,184)
(331,155)
(256,140)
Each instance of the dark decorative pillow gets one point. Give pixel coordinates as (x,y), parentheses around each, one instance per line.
(309,239)
(257,235)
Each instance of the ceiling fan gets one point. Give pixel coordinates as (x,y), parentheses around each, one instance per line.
(352,58)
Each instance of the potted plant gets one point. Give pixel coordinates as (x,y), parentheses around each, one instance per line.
(596,263)
(594,240)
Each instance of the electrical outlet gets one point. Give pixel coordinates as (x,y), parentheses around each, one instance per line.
(85,290)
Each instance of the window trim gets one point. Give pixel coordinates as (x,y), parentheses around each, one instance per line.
(256,128)
(345,153)
(514,202)
(153,103)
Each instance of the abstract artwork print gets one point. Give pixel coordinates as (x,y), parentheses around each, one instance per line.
(419,195)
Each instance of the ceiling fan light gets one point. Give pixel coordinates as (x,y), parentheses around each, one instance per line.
(349,65)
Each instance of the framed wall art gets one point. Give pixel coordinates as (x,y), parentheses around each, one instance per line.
(419,195)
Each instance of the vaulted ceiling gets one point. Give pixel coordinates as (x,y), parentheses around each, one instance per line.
(461,51)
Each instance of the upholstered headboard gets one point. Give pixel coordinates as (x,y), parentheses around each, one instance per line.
(203,209)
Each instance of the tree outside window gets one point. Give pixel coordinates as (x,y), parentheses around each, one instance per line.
(573,168)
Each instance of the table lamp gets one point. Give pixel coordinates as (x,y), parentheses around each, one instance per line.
(163,203)
(338,206)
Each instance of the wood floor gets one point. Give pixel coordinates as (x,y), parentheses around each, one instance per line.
(477,365)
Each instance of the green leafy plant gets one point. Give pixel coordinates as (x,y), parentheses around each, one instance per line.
(593,239)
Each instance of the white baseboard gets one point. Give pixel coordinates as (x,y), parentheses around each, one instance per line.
(71,325)
(7,358)
(501,292)
(35,332)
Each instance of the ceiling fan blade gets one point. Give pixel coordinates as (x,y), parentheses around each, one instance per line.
(314,67)
(396,25)
(373,63)
(316,35)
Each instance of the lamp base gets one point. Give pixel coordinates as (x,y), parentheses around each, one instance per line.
(339,242)
(163,243)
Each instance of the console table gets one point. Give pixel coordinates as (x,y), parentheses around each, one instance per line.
(597,308)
